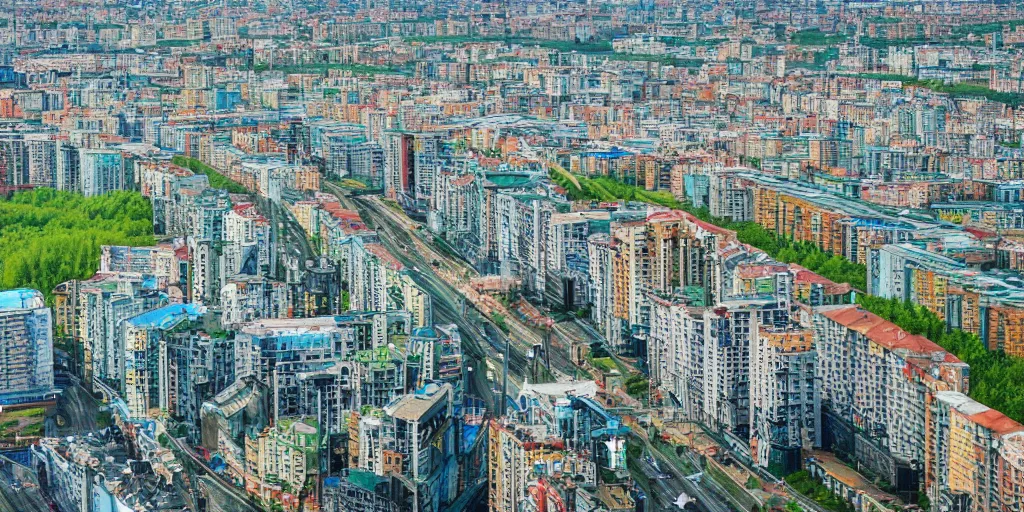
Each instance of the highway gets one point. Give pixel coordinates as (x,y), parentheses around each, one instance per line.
(706,500)
(289,238)
(19,489)
(481,341)
(395,232)
(227,489)
(665,492)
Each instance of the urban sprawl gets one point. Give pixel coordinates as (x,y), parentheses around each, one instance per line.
(511,256)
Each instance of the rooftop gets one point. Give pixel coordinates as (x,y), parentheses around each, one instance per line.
(848,477)
(884,332)
(167,316)
(415,406)
(21,298)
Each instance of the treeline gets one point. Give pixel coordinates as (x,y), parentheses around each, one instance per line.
(958,90)
(324,68)
(996,379)
(608,189)
(815,490)
(815,37)
(48,237)
(808,255)
(666,60)
(217,180)
(562,46)
(962,31)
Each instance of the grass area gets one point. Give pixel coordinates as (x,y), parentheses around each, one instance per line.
(723,479)
(356,69)
(32,412)
(826,499)
(452,39)
(752,483)
(391,203)
(104,419)
(682,41)
(665,60)
(605,364)
(217,180)
(499,320)
(569,46)
(351,183)
(445,248)
(669,451)
(557,172)
(176,43)
(608,476)
(960,90)
(815,37)
(22,422)
(581,188)
(638,386)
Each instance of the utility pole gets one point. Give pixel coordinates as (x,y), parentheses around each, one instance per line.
(504,378)
(547,347)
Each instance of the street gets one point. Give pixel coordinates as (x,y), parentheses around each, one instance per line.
(481,341)
(706,500)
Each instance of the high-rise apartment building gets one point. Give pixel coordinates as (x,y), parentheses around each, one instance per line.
(26,333)
(102,171)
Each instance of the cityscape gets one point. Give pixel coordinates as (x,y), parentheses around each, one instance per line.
(511,256)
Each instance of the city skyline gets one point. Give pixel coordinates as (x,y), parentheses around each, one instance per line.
(601,256)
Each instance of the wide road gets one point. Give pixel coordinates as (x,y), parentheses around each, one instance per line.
(665,492)
(19,489)
(228,491)
(480,340)
(706,500)
(523,336)
(289,238)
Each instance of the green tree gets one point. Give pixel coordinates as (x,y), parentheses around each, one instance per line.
(48,237)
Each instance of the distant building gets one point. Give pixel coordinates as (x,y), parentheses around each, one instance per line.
(69,168)
(102,171)
(347,154)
